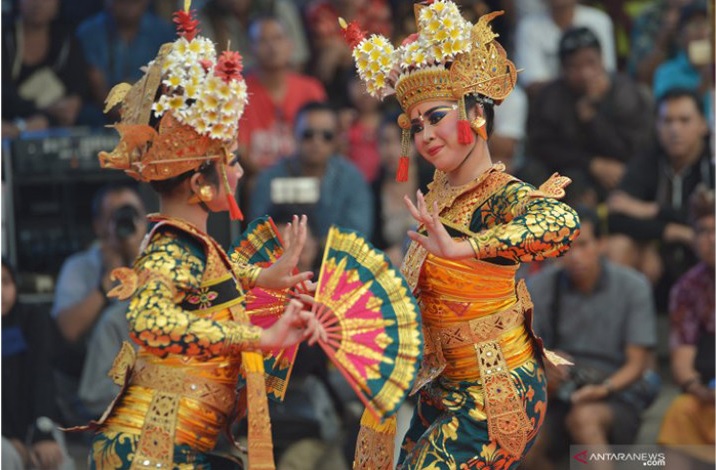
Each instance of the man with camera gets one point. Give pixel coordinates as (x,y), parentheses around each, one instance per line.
(81,293)
(601,316)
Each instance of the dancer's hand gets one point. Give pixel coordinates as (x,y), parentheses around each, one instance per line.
(280,275)
(438,241)
(295,325)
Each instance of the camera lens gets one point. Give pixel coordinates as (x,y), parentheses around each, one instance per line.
(124,221)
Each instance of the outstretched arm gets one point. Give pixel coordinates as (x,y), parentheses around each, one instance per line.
(535,228)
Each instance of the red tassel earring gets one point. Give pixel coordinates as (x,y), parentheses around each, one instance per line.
(234,211)
(464,132)
(401,175)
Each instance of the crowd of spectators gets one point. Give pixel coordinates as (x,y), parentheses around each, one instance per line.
(617,95)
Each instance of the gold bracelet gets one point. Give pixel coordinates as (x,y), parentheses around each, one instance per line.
(252,276)
(242,338)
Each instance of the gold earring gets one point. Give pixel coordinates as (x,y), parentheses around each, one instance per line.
(478,125)
(206,193)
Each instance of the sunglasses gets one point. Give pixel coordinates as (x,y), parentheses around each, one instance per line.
(325,134)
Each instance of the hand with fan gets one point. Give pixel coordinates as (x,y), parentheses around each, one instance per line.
(261,245)
(370,318)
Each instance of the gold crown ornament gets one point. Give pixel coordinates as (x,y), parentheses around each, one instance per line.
(182,113)
(446,59)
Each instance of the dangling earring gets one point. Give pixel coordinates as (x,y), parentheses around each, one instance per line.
(478,125)
(206,194)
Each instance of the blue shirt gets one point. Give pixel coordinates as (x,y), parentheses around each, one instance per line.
(118,60)
(679,73)
(345,198)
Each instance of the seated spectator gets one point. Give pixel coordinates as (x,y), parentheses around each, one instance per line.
(118,42)
(332,60)
(692,67)
(601,317)
(648,214)
(508,136)
(227,22)
(277,93)
(537,39)
(43,71)
(392,221)
(30,438)
(329,187)
(654,38)
(587,123)
(84,280)
(689,423)
(96,389)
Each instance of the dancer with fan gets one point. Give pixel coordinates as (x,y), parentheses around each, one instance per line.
(482,384)
(187,312)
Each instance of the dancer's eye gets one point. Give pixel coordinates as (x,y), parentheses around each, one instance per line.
(436,116)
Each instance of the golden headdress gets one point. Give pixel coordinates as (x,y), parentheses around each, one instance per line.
(182,113)
(447,58)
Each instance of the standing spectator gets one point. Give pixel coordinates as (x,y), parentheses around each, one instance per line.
(689,422)
(29,435)
(693,66)
(600,316)
(537,39)
(648,217)
(43,71)
(587,123)
(118,42)
(277,93)
(654,38)
(84,280)
(330,188)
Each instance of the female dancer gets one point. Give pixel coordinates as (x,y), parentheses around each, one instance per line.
(187,313)
(482,386)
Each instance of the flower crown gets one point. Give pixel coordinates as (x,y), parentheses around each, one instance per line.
(196,99)
(447,58)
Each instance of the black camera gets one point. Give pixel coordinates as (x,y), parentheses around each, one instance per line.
(578,378)
(124,221)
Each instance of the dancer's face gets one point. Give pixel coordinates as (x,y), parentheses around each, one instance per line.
(434,130)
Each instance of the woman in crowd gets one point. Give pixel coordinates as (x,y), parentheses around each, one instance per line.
(43,71)
(482,385)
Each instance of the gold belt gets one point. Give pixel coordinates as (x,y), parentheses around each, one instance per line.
(155,448)
(176,380)
(507,418)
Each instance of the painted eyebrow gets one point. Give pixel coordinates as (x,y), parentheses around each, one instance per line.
(429,111)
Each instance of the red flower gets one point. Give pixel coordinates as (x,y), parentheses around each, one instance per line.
(186,25)
(353,34)
(206,64)
(229,66)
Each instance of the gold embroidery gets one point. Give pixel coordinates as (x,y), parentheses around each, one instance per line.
(260,443)
(123,364)
(375,443)
(155,448)
(177,381)
(507,419)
